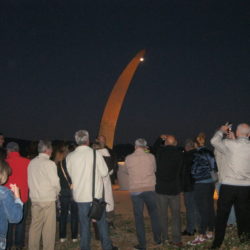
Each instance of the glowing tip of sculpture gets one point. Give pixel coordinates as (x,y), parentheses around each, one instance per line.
(141,59)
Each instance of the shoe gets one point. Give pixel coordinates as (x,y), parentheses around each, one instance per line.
(185,232)
(114,248)
(74,240)
(63,240)
(209,236)
(19,248)
(197,241)
(138,247)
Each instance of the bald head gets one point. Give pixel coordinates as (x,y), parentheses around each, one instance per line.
(170,140)
(243,130)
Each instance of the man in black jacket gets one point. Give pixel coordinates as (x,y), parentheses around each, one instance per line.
(169,160)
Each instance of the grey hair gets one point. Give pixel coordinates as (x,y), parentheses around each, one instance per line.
(12,147)
(141,142)
(82,137)
(44,145)
(243,129)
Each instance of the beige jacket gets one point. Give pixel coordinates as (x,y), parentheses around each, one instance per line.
(43,180)
(80,168)
(141,169)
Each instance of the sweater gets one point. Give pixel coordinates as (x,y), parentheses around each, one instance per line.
(19,173)
(43,180)
(141,167)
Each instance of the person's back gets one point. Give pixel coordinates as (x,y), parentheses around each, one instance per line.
(42,179)
(19,166)
(141,169)
(169,163)
(80,168)
(238,161)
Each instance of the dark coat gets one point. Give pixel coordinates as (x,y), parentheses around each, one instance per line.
(169,161)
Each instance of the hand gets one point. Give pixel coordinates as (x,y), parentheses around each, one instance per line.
(230,135)
(224,129)
(15,190)
(163,137)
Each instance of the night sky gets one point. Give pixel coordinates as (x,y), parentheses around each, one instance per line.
(60,59)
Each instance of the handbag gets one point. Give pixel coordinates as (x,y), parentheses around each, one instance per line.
(98,205)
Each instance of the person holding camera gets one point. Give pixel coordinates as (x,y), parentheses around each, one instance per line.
(235,188)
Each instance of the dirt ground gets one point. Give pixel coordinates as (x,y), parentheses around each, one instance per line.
(124,235)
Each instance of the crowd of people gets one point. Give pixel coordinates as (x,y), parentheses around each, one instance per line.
(59,183)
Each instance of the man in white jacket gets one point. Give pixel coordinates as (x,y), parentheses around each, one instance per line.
(235,188)
(80,168)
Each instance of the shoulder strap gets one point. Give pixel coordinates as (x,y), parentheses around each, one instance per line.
(93,177)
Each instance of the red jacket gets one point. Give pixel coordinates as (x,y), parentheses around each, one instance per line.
(19,176)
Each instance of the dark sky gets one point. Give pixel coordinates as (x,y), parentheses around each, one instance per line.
(60,59)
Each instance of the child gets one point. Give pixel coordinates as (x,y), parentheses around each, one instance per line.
(11,207)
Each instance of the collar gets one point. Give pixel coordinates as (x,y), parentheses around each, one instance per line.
(81,147)
(43,155)
(13,155)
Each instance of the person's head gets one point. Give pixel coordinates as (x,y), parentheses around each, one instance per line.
(12,147)
(189,145)
(201,139)
(5,171)
(60,151)
(82,137)
(45,146)
(170,140)
(101,139)
(140,143)
(243,130)
(1,140)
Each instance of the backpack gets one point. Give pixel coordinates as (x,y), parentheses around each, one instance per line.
(203,164)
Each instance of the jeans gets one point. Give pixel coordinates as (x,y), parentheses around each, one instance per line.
(67,204)
(85,222)
(203,194)
(173,202)
(239,196)
(138,201)
(192,214)
(18,230)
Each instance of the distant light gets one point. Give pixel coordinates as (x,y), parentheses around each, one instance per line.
(141,59)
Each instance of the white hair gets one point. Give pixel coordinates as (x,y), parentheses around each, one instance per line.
(82,137)
(243,129)
(141,142)
(44,145)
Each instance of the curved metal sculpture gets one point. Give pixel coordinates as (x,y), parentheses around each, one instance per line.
(116,98)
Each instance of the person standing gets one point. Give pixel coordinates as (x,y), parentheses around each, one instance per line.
(141,167)
(80,168)
(235,188)
(203,164)
(169,160)
(44,188)
(67,204)
(11,207)
(192,215)
(19,176)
